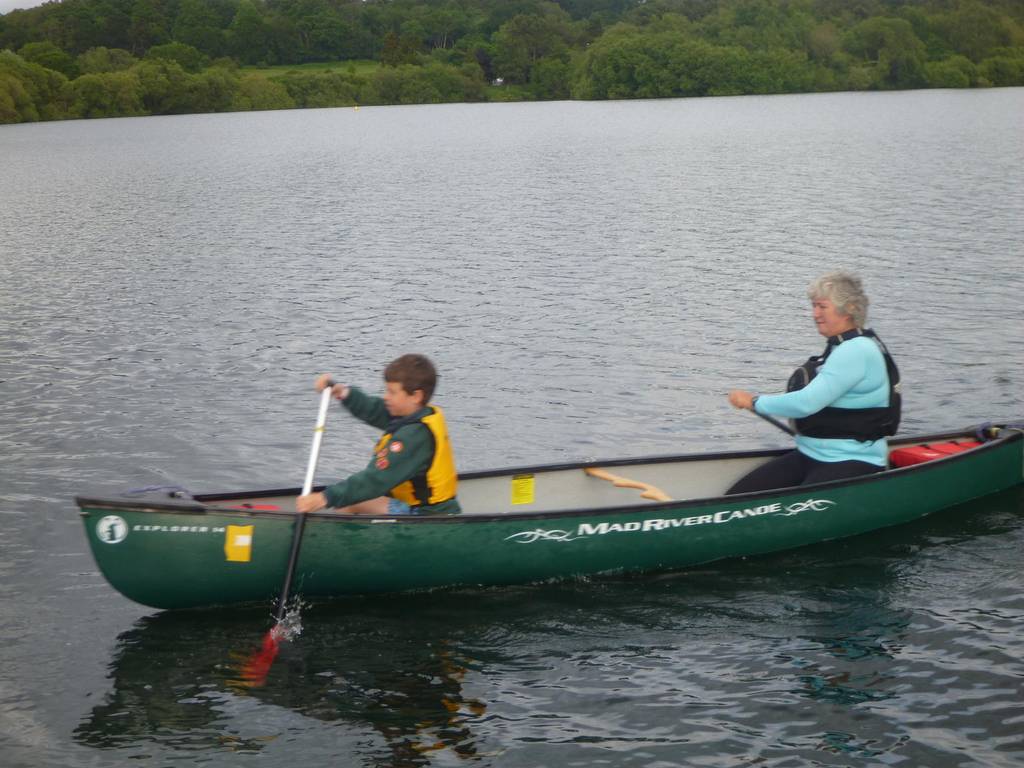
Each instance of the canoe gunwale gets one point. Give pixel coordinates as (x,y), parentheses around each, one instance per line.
(197,504)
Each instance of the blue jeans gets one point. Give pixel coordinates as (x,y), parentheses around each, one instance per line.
(396,507)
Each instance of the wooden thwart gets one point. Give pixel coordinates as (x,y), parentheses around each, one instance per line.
(649,491)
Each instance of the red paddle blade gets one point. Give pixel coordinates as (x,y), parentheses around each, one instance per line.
(256,668)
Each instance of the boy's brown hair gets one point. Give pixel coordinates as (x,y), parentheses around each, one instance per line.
(413,372)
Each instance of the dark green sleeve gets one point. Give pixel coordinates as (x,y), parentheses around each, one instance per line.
(385,472)
(366,408)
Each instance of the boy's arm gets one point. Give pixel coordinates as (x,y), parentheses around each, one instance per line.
(366,408)
(414,443)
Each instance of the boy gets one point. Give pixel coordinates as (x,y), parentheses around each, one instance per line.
(412,471)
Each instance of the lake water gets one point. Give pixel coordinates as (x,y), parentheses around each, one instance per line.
(590,279)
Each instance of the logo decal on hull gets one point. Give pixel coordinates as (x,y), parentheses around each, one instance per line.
(665,523)
(111,529)
(815,505)
(528,537)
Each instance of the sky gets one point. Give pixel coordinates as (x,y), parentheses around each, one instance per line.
(10,5)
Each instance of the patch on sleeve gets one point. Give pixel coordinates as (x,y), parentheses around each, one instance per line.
(396,446)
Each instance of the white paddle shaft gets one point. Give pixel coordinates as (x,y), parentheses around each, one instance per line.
(318,436)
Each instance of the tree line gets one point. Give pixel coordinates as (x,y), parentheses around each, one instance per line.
(107,58)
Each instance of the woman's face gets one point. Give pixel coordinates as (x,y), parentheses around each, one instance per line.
(828,319)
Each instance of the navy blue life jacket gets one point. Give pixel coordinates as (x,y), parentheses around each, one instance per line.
(849,423)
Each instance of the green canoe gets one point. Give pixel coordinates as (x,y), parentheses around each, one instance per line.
(174,550)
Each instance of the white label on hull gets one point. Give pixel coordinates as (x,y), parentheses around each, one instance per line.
(665,523)
(178,528)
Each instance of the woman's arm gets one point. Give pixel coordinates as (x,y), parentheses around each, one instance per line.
(843,369)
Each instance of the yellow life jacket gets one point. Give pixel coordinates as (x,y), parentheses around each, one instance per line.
(440,480)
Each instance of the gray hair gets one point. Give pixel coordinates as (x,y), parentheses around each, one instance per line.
(845,291)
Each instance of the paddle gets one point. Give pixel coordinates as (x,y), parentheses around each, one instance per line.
(776,423)
(254,671)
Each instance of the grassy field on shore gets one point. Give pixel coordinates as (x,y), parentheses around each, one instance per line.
(367,68)
(353,67)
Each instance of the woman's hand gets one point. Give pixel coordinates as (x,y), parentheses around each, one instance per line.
(324,380)
(311,502)
(740,398)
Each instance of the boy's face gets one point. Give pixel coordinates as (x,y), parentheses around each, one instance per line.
(399,402)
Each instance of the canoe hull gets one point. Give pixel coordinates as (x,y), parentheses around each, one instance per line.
(187,555)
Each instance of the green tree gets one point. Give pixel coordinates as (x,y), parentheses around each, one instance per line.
(323,35)
(860,77)
(259,93)
(248,35)
(954,72)
(323,89)
(41,85)
(403,85)
(550,78)
(445,26)
(1003,70)
(824,42)
(892,48)
(149,26)
(197,25)
(618,62)
(974,30)
(283,46)
(214,90)
(166,88)
(105,94)
(399,50)
(758,25)
(105,60)
(190,59)
(526,39)
(16,105)
(48,55)
(433,83)
(778,71)
(114,22)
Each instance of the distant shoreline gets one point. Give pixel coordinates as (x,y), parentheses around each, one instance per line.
(104,58)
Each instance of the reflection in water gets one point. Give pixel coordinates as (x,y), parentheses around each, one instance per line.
(864,642)
(175,681)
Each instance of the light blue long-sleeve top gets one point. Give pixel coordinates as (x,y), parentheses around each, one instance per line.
(853,376)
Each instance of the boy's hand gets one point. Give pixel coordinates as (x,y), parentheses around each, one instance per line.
(324,380)
(311,502)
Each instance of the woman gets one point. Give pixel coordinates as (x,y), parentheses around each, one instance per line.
(844,402)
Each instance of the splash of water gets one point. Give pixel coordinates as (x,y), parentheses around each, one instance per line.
(290,625)
(256,667)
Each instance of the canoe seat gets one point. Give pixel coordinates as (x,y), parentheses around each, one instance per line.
(649,491)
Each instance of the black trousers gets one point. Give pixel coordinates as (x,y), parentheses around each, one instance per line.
(794,468)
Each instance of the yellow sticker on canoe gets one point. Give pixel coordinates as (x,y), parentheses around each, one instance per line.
(522,489)
(238,543)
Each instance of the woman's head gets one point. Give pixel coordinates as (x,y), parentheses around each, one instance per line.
(839,303)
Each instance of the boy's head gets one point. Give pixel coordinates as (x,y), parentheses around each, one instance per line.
(411,380)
